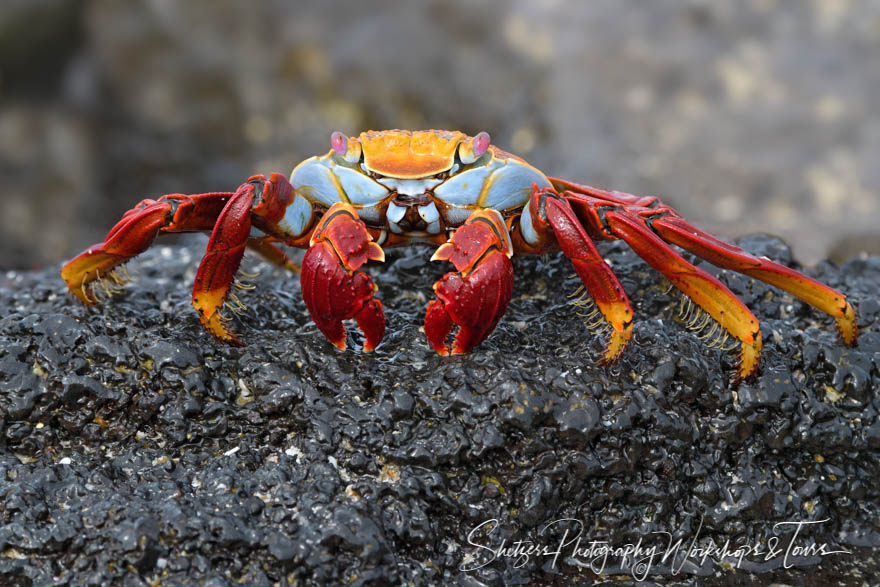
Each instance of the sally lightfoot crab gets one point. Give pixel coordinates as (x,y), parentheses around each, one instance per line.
(480,204)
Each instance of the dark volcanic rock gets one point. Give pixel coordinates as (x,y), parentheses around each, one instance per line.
(134,447)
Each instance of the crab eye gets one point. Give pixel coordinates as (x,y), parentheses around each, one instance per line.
(471,150)
(481,143)
(347,148)
(339,142)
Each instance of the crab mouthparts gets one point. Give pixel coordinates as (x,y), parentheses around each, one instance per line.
(410,187)
(421,199)
(407,213)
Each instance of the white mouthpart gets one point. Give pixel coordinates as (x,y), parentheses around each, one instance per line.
(395,213)
(429,213)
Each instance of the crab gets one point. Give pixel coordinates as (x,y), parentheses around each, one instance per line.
(480,205)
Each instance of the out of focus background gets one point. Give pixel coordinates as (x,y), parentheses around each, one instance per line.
(746,116)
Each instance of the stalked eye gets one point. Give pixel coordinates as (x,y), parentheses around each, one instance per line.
(339,142)
(348,149)
(470,151)
(481,144)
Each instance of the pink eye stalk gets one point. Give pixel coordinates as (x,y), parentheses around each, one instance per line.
(339,142)
(481,143)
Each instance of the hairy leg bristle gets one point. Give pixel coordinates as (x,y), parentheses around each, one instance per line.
(101,288)
(587,309)
(707,329)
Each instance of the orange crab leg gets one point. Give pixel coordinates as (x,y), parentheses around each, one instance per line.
(705,290)
(264,245)
(679,232)
(548,209)
(332,287)
(475,296)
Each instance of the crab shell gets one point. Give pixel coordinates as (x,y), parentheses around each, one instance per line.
(388,176)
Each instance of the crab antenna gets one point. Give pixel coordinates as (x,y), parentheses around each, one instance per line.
(339,142)
(481,143)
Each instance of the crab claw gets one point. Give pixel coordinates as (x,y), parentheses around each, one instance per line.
(477,295)
(332,287)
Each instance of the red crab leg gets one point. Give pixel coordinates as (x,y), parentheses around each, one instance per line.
(332,287)
(135,232)
(477,295)
(645,224)
(676,230)
(227,214)
(701,287)
(220,263)
(255,200)
(608,196)
(548,209)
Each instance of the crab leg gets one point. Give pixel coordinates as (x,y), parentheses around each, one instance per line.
(647,226)
(476,296)
(135,232)
(548,209)
(607,196)
(228,215)
(222,258)
(332,287)
(701,287)
(265,247)
(676,230)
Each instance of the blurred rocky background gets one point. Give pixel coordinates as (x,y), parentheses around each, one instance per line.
(746,116)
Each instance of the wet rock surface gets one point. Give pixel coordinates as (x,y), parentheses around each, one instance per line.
(757,116)
(134,448)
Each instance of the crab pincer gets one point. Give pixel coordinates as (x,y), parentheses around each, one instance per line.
(475,297)
(332,287)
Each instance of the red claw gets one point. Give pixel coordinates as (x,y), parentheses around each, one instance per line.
(332,287)
(476,297)
(475,302)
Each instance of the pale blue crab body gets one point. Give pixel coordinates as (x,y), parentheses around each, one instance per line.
(420,202)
